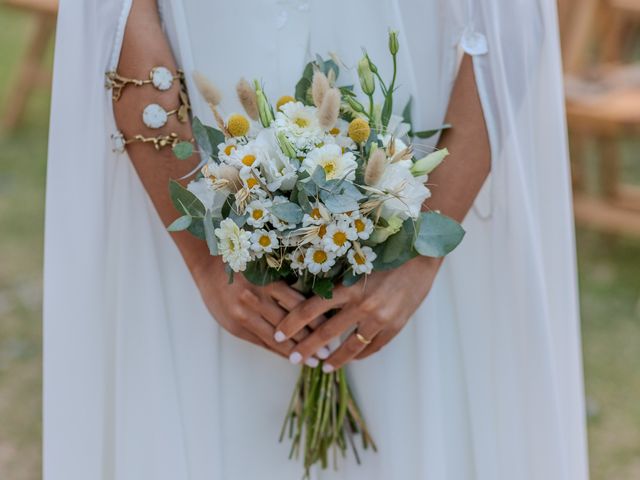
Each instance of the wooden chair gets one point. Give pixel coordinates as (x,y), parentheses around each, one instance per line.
(30,72)
(603,103)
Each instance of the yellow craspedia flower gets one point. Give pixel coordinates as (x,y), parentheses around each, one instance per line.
(359,130)
(284,100)
(238,125)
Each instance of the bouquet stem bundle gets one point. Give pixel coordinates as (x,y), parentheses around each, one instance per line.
(323,419)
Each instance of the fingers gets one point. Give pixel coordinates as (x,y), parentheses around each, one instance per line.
(258,326)
(306,312)
(354,345)
(285,295)
(332,328)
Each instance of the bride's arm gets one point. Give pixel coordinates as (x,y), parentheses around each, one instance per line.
(382,305)
(246,311)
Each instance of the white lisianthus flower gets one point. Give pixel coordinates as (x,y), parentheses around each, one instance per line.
(234,245)
(297,259)
(338,237)
(300,125)
(258,212)
(279,171)
(381,234)
(318,259)
(335,163)
(263,241)
(405,193)
(361,260)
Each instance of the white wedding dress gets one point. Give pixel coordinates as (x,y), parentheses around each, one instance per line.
(484,383)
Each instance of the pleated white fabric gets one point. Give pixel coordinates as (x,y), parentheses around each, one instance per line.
(484,383)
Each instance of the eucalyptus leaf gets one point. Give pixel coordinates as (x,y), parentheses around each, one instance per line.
(183,150)
(430,133)
(209,233)
(319,176)
(350,278)
(438,235)
(338,203)
(185,201)
(216,137)
(303,201)
(288,212)
(180,224)
(397,249)
(201,136)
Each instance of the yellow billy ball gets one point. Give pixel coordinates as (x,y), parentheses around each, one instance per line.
(359,130)
(284,100)
(238,125)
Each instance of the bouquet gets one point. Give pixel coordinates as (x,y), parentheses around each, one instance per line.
(320,189)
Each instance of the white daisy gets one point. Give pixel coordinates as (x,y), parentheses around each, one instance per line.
(361,259)
(300,125)
(318,259)
(226,149)
(339,135)
(335,163)
(234,245)
(297,259)
(263,241)
(252,180)
(247,157)
(338,236)
(363,226)
(258,212)
(318,215)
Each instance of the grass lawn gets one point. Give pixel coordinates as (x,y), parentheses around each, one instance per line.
(610,298)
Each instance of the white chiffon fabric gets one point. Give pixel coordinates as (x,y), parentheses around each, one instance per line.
(484,383)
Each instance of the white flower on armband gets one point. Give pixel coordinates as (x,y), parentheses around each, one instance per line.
(361,259)
(234,245)
(338,236)
(263,241)
(319,259)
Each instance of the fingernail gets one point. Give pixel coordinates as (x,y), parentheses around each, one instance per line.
(323,353)
(295,358)
(312,362)
(280,337)
(326,368)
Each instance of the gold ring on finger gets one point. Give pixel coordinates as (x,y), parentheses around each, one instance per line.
(362,339)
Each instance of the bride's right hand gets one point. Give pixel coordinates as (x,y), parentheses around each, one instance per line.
(248,311)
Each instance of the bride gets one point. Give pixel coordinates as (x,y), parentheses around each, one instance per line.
(473,367)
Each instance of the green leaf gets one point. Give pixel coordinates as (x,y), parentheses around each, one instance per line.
(387,107)
(319,176)
(431,133)
(259,273)
(216,137)
(209,233)
(397,249)
(302,87)
(288,212)
(338,203)
(197,228)
(406,115)
(438,235)
(183,150)
(323,287)
(350,278)
(181,223)
(303,201)
(201,136)
(185,201)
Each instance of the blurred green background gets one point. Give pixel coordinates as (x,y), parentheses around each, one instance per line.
(609,282)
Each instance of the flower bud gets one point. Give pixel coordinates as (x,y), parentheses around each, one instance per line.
(355,105)
(264,109)
(427,164)
(394,46)
(367,82)
(285,145)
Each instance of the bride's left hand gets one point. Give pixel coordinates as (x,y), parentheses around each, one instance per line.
(378,307)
